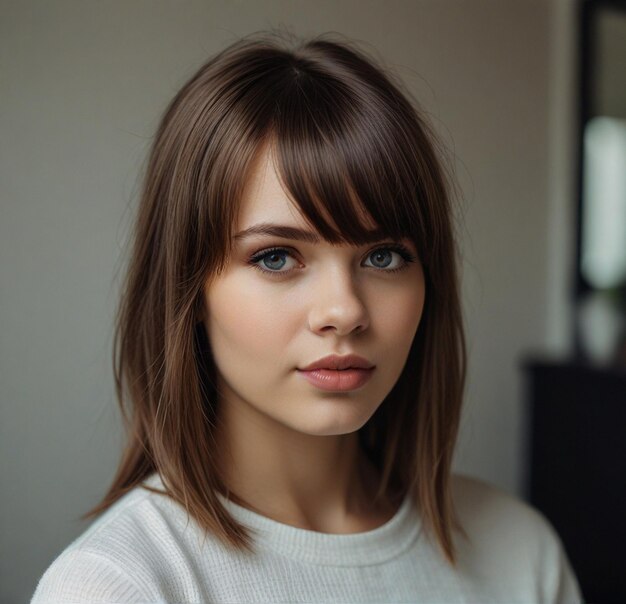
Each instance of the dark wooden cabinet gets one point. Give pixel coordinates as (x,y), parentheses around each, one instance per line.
(576,473)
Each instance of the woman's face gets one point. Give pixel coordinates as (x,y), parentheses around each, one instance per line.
(313,300)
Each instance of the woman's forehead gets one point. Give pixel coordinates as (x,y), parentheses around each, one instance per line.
(265,201)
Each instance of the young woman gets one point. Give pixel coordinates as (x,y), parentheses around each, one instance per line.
(290,359)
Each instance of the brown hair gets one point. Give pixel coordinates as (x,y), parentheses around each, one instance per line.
(342,129)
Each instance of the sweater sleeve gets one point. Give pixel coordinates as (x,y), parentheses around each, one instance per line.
(568,589)
(87,577)
(559,584)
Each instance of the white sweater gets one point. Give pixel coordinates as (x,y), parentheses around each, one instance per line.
(142,549)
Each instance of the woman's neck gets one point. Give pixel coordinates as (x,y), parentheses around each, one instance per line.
(320,483)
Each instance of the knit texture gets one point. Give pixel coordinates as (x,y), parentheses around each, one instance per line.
(146,549)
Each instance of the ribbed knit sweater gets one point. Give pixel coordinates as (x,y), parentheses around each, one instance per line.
(146,549)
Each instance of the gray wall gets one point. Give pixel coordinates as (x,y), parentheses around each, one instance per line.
(82,87)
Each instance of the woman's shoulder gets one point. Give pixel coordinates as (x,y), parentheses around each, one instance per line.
(498,520)
(483,505)
(510,541)
(114,558)
(83,575)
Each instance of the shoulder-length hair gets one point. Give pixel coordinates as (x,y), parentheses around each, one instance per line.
(342,130)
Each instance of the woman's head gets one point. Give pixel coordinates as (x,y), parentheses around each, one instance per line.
(309,134)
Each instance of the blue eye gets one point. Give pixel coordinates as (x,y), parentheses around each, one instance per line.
(384,252)
(406,256)
(273,259)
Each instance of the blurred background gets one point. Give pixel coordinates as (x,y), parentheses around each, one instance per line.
(530,99)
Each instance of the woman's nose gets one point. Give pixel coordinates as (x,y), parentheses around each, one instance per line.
(337,304)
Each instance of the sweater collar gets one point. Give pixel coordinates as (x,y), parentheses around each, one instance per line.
(353,549)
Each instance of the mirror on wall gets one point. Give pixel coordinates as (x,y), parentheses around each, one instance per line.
(601,266)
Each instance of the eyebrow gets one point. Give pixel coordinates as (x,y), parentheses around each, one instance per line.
(287,232)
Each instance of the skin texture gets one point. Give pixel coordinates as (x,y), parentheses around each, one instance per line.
(289,449)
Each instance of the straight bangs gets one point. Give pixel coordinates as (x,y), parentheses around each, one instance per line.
(353,155)
(337,153)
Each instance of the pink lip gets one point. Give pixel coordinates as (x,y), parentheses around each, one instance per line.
(335,361)
(337,379)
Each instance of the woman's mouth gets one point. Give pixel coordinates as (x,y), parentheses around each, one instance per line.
(337,380)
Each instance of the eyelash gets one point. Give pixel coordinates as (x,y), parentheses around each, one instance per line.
(398,248)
